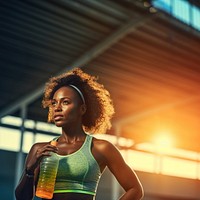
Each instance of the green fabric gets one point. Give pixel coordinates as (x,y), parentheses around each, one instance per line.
(75,191)
(78,172)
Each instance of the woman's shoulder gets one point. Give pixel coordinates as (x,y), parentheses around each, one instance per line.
(103,145)
(40,144)
(100,141)
(107,151)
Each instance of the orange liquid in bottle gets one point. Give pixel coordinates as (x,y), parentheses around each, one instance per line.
(46,182)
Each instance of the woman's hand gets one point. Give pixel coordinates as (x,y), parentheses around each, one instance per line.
(26,187)
(37,152)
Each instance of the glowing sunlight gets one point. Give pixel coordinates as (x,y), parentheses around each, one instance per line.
(163,143)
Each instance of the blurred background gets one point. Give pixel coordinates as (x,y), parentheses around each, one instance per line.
(146,53)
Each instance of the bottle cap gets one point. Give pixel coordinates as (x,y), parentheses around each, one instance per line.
(53,143)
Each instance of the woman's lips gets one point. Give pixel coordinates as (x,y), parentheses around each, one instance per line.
(58,117)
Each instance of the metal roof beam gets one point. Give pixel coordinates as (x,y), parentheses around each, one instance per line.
(138,116)
(123,30)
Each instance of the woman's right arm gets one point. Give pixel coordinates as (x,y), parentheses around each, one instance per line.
(26,186)
(25,190)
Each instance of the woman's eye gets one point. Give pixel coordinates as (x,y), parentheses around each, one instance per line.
(53,103)
(65,102)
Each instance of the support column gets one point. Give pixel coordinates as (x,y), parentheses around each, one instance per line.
(19,160)
(115,184)
(115,188)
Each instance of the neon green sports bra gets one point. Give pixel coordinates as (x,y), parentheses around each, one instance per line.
(78,172)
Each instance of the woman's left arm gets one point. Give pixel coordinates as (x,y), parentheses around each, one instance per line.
(126,177)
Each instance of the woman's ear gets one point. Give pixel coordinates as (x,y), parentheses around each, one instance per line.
(83,109)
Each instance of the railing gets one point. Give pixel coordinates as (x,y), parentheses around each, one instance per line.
(142,157)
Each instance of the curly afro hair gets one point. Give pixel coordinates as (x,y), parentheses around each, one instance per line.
(97,99)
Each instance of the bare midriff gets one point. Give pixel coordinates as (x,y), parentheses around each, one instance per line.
(72,196)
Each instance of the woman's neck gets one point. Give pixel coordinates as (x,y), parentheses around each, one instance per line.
(72,135)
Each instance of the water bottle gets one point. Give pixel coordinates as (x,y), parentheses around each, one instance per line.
(47,176)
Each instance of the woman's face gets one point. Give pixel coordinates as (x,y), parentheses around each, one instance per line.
(66,107)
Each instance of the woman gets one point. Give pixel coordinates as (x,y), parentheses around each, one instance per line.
(79,105)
